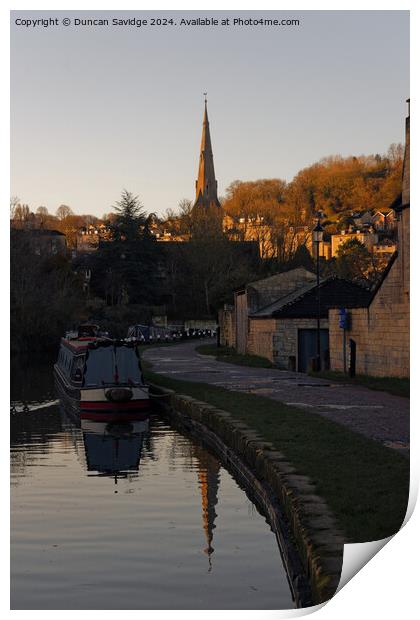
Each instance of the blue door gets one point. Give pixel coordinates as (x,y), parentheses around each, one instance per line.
(307,347)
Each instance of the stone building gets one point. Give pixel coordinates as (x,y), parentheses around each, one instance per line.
(368,238)
(285,331)
(384,220)
(88,237)
(234,320)
(379,329)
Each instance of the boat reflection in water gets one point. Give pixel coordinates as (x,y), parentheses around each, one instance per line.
(113,449)
(175,517)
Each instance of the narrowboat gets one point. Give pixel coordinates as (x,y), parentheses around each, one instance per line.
(100,379)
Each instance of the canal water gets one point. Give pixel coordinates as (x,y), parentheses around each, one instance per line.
(129,516)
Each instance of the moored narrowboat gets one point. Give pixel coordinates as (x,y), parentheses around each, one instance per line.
(101,379)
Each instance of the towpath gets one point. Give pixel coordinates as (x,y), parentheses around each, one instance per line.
(377,415)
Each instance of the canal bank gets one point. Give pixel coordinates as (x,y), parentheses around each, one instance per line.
(334,484)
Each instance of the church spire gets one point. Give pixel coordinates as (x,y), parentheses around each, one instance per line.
(206,184)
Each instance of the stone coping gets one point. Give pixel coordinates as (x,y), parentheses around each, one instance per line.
(310,541)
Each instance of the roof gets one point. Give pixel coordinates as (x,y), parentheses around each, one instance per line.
(77,344)
(334,293)
(288,299)
(279,276)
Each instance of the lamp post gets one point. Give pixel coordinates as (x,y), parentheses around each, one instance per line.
(317,235)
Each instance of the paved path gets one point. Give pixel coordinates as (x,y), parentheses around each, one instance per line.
(377,415)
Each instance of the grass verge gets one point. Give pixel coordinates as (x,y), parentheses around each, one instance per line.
(365,484)
(392,385)
(229,355)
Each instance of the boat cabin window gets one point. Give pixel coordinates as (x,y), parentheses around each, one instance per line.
(77,368)
(65,358)
(110,365)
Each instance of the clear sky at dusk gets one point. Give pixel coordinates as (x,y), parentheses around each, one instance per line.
(98,109)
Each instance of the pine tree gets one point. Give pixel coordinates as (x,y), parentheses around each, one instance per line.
(130,218)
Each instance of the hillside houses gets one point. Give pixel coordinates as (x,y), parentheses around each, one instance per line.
(277,318)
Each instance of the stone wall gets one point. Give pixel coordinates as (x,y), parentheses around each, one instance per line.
(260,337)
(277,339)
(241,322)
(227,326)
(258,295)
(381,331)
(285,341)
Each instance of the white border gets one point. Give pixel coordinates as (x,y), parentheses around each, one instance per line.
(386,587)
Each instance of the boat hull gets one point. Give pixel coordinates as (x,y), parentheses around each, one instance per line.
(92,404)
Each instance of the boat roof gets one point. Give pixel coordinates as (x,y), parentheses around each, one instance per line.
(81,344)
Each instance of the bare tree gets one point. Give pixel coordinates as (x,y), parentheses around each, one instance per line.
(63,212)
(14,201)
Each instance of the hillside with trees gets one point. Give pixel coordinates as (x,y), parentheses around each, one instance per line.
(131,275)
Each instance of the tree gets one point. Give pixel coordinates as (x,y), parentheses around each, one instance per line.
(252,199)
(337,186)
(21,214)
(42,216)
(130,218)
(63,212)
(302,258)
(45,296)
(204,272)
(14,201)
(125,267)
(354,261)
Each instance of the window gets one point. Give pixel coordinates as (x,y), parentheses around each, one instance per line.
(77,368)
(106,364)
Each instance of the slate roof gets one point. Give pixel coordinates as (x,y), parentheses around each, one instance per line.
(269,310)
(334,293)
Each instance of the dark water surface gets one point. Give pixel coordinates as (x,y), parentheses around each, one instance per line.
(128,516)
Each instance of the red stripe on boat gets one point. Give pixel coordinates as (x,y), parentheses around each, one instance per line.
(113,416)
(90,405)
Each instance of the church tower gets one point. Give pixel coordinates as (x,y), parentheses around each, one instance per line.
(206,185)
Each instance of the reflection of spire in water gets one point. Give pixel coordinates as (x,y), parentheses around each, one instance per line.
(208,477)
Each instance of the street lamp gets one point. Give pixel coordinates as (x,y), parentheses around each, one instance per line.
(317,235)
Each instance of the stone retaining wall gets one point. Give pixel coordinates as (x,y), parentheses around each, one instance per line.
(311,527)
